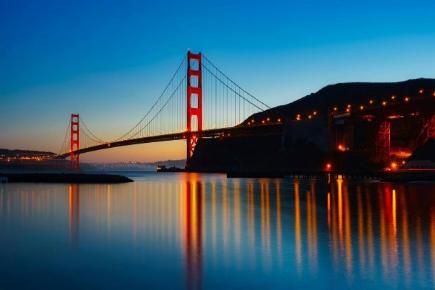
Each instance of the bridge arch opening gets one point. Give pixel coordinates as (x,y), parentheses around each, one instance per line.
(194,123)
(194,100)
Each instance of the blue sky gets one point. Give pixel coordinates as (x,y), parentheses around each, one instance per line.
(109,60)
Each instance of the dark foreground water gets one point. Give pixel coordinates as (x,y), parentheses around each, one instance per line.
(192,231)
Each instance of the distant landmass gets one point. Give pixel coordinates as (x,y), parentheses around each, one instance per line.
(17,159)
(20,153)
(131,165)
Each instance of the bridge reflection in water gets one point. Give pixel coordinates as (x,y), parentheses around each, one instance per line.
(200,228)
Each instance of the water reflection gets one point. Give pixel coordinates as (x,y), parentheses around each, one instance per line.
(74,213)
(196,229)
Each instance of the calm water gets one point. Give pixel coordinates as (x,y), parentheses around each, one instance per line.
(192,231)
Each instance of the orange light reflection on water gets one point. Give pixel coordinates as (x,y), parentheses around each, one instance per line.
(364,231)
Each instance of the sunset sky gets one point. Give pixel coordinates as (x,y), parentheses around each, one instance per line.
(109,60)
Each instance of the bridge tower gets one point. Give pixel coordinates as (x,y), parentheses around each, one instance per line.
(383,142)
(194,102)
(431,128)
(75,140)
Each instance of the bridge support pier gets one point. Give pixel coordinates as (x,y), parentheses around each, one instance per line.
(75,141)
(383,142)
(431,128)
(194,102)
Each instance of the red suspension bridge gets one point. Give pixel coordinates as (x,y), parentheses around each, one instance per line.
(199,101)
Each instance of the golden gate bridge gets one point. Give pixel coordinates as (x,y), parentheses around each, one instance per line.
(201,101)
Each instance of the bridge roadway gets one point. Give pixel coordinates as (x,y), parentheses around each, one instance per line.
(238,131)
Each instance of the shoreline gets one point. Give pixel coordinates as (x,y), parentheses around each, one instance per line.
(386,176)
(62,178)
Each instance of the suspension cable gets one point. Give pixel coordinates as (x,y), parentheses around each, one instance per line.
(252,96)
(227,86)
(164,105)
(155,103)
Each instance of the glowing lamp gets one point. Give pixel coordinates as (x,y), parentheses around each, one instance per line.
(335,108)
(421,91)
(341,147)
(406,99)
(393,166)
(371,102)
(384,103)
(279,120)
(328,166)
(361,108)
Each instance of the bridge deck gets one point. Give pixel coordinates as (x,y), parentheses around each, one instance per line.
(272,129)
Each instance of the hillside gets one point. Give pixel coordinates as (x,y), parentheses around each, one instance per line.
(342,94)
(303,145)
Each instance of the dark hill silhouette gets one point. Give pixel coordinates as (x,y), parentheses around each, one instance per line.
(302,146)
(349,93)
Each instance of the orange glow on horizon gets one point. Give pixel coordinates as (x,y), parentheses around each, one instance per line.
(170,150)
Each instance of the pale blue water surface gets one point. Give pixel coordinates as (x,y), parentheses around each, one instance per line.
(204,231)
